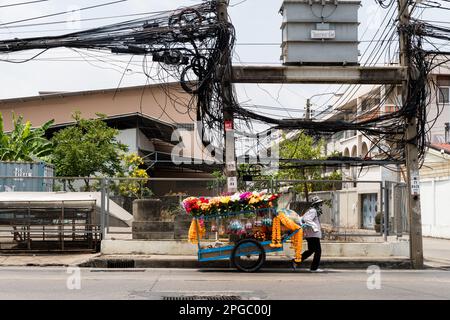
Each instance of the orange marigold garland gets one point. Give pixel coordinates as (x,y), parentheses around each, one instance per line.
(297,242)
(193,231)
(288,223)
(276,233)
(297,238)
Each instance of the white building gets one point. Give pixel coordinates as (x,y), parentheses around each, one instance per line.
(434,190)
(366,199)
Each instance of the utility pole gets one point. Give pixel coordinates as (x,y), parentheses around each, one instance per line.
(228,117)
(412,166)
(308,109)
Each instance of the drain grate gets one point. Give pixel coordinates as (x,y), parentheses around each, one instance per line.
(122,264)
(199,297)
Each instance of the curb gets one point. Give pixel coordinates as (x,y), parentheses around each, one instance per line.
(123,263)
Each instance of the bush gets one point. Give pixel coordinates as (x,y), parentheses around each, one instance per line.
(379,220)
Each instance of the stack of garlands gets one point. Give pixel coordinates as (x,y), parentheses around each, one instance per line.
(196,225)
(297,238)
(203,207)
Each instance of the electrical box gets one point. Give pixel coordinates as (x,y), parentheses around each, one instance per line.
(320,32)
(16,177)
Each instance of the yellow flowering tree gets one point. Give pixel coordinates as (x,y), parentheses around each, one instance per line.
(135,186)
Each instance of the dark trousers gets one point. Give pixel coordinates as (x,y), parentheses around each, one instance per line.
(313,247)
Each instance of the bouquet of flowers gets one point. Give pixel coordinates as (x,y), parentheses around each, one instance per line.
(237,202)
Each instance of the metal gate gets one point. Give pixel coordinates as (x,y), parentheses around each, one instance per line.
(48,226)
(369,203)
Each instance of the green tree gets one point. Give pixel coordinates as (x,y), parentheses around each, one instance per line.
(304,147)
(24,143)
(87,149)
(258,181)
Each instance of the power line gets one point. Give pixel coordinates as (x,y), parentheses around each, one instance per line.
(21,3)
(151,13)
(62,13)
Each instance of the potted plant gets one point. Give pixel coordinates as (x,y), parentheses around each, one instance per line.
(379,222)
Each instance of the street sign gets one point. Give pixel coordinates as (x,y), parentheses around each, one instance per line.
(232,184)
(415,184)
(323,34)
(228,125)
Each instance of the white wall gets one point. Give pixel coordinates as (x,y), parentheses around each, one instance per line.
(128,137)
(349,209)
(435,207)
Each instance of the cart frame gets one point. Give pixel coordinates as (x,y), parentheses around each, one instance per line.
(229,251)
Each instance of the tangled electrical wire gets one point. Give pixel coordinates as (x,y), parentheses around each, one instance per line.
(421,85)
(387,130)
(194,46)
(191,44)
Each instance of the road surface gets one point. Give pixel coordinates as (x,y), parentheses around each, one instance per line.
(156,284)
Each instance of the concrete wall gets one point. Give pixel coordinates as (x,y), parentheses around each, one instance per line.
(435,205)
(183,248)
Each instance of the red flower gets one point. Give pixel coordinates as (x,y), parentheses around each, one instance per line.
(274,197)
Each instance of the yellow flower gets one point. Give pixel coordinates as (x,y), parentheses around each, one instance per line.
(225,200)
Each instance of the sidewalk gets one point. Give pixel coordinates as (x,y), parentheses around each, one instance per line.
(45,260)
(436,252)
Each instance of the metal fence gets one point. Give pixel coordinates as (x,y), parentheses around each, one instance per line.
(48,226)
(128,208)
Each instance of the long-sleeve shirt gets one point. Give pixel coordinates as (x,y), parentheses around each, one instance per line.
(311,219)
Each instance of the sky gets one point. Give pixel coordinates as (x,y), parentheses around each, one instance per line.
(256,21)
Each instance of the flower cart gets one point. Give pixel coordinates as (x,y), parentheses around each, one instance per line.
(243,228)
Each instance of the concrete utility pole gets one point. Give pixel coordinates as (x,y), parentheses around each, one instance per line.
(412,166)
(308,109)
(230,153)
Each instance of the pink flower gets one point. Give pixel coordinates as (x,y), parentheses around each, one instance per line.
(245,195)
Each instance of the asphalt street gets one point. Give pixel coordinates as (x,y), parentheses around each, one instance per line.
(157,284)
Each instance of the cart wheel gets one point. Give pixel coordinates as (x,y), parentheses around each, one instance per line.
(248,255)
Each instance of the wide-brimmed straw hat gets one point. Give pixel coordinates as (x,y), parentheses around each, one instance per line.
(316,200)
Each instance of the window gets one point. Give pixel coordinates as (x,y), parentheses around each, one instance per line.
(369,103)
(444,93)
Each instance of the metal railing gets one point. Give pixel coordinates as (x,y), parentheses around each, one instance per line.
(48,225)
(350,204)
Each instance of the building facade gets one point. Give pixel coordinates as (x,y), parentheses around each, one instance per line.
(154,121)
(367,199)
